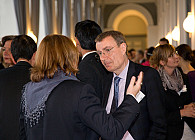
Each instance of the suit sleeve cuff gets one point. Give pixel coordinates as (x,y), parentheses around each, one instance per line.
(131,95)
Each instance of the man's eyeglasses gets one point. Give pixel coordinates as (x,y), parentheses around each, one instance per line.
(105,51)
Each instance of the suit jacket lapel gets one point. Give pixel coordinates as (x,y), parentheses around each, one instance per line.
(108,82)
(106,88)
(130,73)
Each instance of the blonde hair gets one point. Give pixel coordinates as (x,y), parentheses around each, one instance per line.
(54,52)
(162,52)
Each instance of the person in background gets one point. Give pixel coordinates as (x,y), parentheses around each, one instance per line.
(140,57)
(186,56)
(148,55)
(12,80)
(6,43)
(151,122)
(179,106)
(57,106)
(1,58)
(163,41)
(91,70)
(145,52)
(193,62)
(131,55)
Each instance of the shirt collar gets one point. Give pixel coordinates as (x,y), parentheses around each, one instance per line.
(123,74)
(87,54)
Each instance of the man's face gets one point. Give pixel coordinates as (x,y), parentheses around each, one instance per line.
(139,56)
(111,55)
(78,45)
(133,54)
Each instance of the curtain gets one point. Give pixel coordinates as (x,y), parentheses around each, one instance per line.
(49,14)
(101,22)
(95,11)
(67,17)
(77,11)
(35,17)
(87,9)
(20,10)
(59,16)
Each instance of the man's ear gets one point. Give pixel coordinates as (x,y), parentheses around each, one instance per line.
(163,63)
(32,60)
(12,58)
(124,47)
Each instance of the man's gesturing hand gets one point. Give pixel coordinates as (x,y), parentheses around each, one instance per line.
(135,86)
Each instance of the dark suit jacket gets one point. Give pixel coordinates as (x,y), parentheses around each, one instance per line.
(91,71)
(174,102)
(1,66)
(71,108)
(151,123)
(12,80)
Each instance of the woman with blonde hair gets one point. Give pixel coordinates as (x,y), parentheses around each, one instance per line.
(178,100)
(56,106)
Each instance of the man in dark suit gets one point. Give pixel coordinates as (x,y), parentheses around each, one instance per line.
(91,70)
(151,124)
(12,79)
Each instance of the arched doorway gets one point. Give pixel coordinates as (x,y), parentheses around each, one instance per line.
(136,23)
(134,26)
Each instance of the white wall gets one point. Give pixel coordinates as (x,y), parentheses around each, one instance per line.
(193,33)
(152,36)
(8,22)
(41,23)
(171,13)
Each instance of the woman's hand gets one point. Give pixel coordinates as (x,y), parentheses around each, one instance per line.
(135,86)
(188,111)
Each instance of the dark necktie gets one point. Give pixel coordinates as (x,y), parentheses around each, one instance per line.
(116,94)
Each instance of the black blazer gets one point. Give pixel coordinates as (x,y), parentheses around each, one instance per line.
(1,66)
(91,71)
(12,80)
(151,123)
(71,108)
(175,102)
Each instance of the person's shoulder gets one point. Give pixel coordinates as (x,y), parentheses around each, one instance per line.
(91,58)
(16,69)
(145,69)
(92,65)
(76,84)
(6,70)
(191,73)
(6,75)
(1,66)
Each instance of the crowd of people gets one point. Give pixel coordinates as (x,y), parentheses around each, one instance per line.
(111,93)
